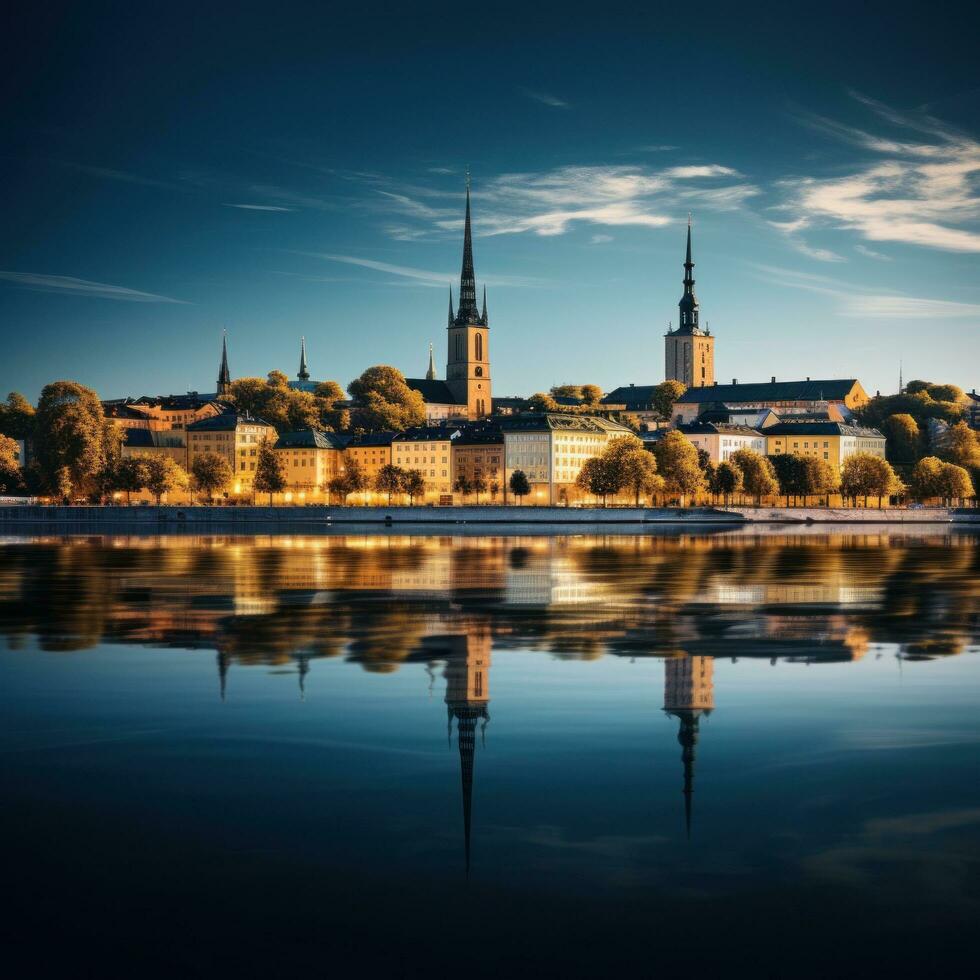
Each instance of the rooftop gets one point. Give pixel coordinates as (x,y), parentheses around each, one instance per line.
(433,392)
(825,428)
(226,422)
(835,389)
(311,439)
(555,421)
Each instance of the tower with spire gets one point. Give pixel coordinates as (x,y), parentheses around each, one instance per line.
(689,354)
(430,374)
(224,375)
(468,359)
(688,694)
(303,374)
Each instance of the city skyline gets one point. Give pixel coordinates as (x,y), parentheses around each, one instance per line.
(292,191)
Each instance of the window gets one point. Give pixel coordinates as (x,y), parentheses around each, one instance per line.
(479,346)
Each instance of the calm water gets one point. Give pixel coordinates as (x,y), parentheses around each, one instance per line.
(443,755)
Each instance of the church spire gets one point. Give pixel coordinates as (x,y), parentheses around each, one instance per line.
(483,316)
(303,374)
(467,313)
(688,306)
(430,375)
(452,314)
(224,375)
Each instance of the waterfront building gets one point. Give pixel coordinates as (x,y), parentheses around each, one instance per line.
(822,439)
(478,453)
(235,437)
(370,451)
(689,351)
(784,397)
(428,450)
(551,447)
(688,695)
(162,412)
(467,385)
(310,458)
(720,439)
(145,443)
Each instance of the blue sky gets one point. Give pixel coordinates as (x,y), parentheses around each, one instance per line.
(299,171)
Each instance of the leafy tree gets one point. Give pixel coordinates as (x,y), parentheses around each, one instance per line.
(932,477)
(16,417)
(352,480)
(462,486)
(211,473)
(163,475)
(520,485)
(866,475)
(566,391)
(479,485)
(790,474)
(677,463)
(333,416)
(758,475)
(385,401)
(915,387)
(72,435)
(131,476)
(954,483)
(494,490)
(904,438)
(540,402)
(389,479)
(11,476)
(945,393)
(916,401)
(413,483)
(598,477)
(632,467)
(664,396)
(727,480)
(285,408)
(959,445)
(277,379)
(818,478)
(591,394)
(270,477)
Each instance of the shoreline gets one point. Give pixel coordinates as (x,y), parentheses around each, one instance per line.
(152,519)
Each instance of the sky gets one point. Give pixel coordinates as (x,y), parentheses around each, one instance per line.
(299,170)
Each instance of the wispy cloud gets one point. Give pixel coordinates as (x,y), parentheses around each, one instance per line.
(871,253)
(83,287)
(855,301)
(122,176)
(922,188)
(601,239)
(259,207)
(426,277)
(545,98)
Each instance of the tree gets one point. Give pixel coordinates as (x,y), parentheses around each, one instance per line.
(566,391)
(664,396)
(677,463)
(632,467)
(413,483)
(519,484)
(959,445)
(352,480)
(479,485)
(758,475)
(132,476)
(16,417)
(954,483)
(932,477)
(494,490)
(270,477)
(598,477)
(866,475)
(903,436)
(945,393)
(591,394)
(728,480)
(790,474)
(72,435)
(285,408)
(385,401)
(11,476)
(211,473)
(540,402)
(462,486)
(389,479)
(163,475)
(818,477)
(333,416)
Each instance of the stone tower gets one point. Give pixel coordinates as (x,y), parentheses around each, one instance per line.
(689,351)
(468,360)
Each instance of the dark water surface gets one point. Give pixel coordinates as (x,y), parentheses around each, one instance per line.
(431,756)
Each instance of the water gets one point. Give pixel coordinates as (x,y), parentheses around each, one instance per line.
(422,755)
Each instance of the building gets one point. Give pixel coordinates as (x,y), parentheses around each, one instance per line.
(369,451)
(720,439)
(478,453)
(162,412)
(827,440)
(973,410)
(468,357)
(234,437)
(303,380)
(550,448)
(440,403)
(784,397)
(144,442)
(688,694)
(428,450)
(310,458)
(689,351)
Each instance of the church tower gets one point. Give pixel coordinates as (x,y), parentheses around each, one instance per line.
(689,351)
(468,360)
(224,375)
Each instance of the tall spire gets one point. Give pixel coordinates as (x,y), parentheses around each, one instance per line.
(901,381)
(688,738)
(430,375)
(303,374)
(224,375)
(688,306)
(467,312)
(483,316)
(452,314)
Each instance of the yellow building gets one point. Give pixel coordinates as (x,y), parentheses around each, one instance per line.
(162,412)
(428,450)
(551,448)
(370,451)
(830,441)
(689,351)
(310,459)
(234,437)
(478,453)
